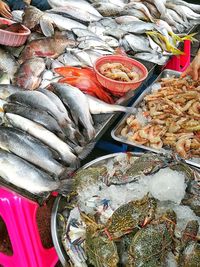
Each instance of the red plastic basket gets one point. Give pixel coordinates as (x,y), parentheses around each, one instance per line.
(12,38)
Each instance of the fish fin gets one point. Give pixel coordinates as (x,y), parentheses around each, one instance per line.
(84,152)
(46,27)
(189,37)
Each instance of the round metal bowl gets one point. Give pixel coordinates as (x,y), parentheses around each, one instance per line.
(59,204)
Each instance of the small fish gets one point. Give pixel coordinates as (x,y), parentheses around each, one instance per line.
(92,42)
(24,175)
(69,59)
(69,96)
(138,43)
(125,19)
(141,7)
(23,145)
(28,76)
(153,57)
(137,27)
(45,136)
(108,9)
(83,32)
(97,106)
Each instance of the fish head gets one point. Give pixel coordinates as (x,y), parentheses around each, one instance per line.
(31,16)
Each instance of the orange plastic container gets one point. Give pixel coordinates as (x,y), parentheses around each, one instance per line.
(117,87)
(12,38)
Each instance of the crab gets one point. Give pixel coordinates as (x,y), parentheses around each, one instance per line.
(150,245)
(189,255)
(99,249)
(192,197)
(130,216)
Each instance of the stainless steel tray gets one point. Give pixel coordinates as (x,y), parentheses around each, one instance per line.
(115,132)
(58,207)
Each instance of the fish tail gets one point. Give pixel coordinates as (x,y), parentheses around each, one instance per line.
(189,37)
(66,186)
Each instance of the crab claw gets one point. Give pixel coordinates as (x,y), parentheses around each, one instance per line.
(146,221)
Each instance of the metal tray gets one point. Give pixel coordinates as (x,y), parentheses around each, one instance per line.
(115,132)
(58,206)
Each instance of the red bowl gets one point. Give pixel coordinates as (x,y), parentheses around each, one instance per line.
(117,87)
(12,38)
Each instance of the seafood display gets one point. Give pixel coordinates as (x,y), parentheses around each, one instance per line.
(15,27)
(53,127)
(129,210)
(168,117)
(117,71)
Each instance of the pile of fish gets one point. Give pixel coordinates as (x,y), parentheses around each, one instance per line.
(44,134)
(132,211)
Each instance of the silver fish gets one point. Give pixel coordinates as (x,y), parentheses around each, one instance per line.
(125,19)
(153,57)
(92,42)
(83,32)
(69,96)
(7,89)
(160,5)
(30,149)
(83,57)
(194,7)
(44,136)
(8,63)
(24,175)
(72,60)
(75,13)
(17,15)
(142,8)
(108,9)
(97,106)
(134,12)
(37,116)
(138,43)
(137,27)
(176,17)
(40,101)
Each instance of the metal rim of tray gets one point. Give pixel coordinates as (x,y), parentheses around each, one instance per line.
(62,255)
(135,104)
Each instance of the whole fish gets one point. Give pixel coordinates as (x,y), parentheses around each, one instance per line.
(141,7)
(50,47)
(45,136)
(108,9)
(28,76)
(152,9)
(125,19)
(134,12)
(72,60)
(78,3)
(75,13)
(137,27)
(153,57)
(40,101)
(83,32)
(97,106)
(36,115)
(93,42)
(176,17)
(190,14)
(138,43)
(7,89)
(30,149)
(160,5)
(24,175)
(8,63)
(194,7)
(69,96)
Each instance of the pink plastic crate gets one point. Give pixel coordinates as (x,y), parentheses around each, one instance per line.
(12,38)
(19,215)
(180,63)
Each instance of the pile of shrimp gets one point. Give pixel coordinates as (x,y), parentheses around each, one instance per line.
(172,118)
(117,71)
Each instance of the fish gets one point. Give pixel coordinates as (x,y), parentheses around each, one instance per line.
(176,17)
(38,100)
(17,15)
(69,59)
(190,14)
(108,9)
(28,76)
(125,19)
(75,14)
(83,32)
(134,12)
(160,5)
(69,96)
(138,43)
(92,42)
(45,136)
(8,89)
(31,150)
(152,57)
(78,3)
(24,175)
(97,106)
(50,47)
(36,115)
(137,27)
(141,7)
(194,7)
(8,63)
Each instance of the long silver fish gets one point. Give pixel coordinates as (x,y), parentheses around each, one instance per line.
(45,136)
(97,106)
(194,7)
(125,19)
(72,97)
(137,27)
(8,63)
(143,8)
(24,175)
(40,101)
(7,89)
(30,149)
(36,115)
(138,43)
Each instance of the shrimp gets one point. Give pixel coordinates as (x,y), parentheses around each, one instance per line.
(138,139)
(183,146)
